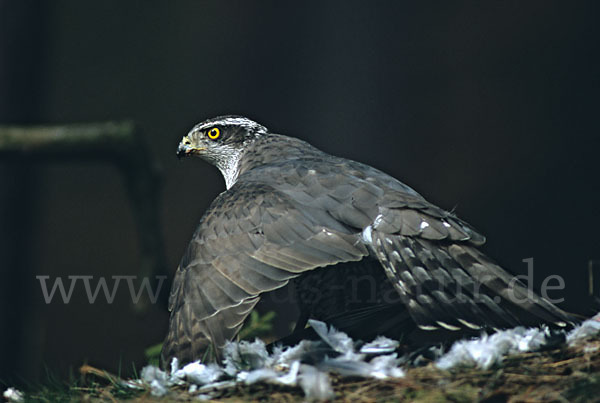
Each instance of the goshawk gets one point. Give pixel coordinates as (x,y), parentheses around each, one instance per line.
(365,252)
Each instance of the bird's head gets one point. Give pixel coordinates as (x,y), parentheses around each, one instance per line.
(221,141)
(218,138)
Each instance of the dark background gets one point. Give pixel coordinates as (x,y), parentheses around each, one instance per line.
(487,107)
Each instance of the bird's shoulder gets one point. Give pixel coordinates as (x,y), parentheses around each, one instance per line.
(285,162)
(296,178)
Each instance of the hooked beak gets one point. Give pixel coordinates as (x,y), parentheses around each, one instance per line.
(185,149)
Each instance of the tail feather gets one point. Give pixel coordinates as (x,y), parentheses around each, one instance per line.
(452,285)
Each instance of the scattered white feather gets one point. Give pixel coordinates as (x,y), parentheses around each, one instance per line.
(380,345)
(346,367)
(351,363)
(13,395)
(244,356)
(158,380)
(386,366)
(198,373)
(193,373)
(272,376)
(340,342)
(489,350)
(315,384)
(283,356)
(590,327)
(250,362)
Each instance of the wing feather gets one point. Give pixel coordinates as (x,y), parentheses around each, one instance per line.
(251,240)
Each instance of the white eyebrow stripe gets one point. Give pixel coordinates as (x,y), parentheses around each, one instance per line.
(234,121)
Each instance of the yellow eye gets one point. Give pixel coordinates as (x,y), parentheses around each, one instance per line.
(213,133)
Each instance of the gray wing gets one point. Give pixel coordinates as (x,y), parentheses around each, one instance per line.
(445,281)
(429,254)
(251,240)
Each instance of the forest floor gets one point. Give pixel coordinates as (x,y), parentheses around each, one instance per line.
(565,374)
